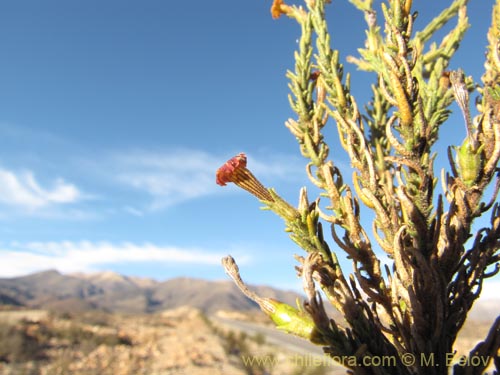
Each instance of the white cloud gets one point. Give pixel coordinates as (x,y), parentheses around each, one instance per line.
(22,190)
(168,178)
(85,256)
(177,176)
(140,181)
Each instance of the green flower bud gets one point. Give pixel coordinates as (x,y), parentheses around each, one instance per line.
(470,162)
(291,320)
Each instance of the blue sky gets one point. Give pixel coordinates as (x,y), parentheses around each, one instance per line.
(114,116)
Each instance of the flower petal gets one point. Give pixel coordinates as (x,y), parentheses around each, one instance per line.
(225,173)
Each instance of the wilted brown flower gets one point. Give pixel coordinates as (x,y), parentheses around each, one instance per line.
(235,171)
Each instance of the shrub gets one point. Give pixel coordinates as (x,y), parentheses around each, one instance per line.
(410,311)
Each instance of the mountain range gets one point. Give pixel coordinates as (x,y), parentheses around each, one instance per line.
(113,292)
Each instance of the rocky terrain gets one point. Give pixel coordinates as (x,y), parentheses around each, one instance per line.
(178,341)
(54,324)
(105,323)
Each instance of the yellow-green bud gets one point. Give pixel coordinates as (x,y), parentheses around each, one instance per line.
(291,320)
(469,162)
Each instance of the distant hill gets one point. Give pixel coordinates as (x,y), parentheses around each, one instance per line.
(112,292)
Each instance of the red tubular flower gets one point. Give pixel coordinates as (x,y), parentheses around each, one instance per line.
(235,171)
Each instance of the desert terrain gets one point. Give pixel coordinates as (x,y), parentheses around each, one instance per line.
(107,324)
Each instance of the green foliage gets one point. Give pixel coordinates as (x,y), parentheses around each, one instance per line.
(419,304)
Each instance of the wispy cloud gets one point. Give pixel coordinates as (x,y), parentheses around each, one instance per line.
(140,181)
(173,177)
(133,211)
(24,191)
(169,178)
(85,256)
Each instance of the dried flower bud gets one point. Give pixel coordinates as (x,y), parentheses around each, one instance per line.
(303,207)
(461,94)
(278,8)
(314,75)
(235,171)
(285,317)
(320,86)
(444,81)
(470,154)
